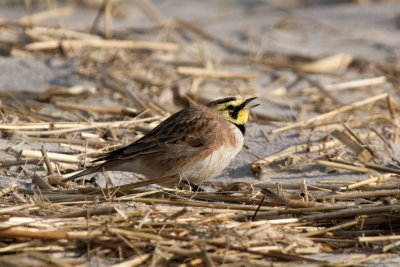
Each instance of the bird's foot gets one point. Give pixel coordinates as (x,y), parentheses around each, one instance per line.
(192,186)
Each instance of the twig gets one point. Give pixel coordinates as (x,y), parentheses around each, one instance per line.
(41,183)
(105,44)
(370,239)
(333,113)
(18,197)
(47,162)
(343,166)
(356,145)
(108,19)
(295,186)
(390,247)
(12,209)
(57,33)
(151,11)
(8,189)
(284,153)
(98,16)
(51,155)
(258,208)
(89,108)
(200,204)
(292,203)
(350,212)
(85,213)
(368,181)
(331,229)
(355,84)
(133,262)
(362,194)
(18,162)
(45,15)
(72,127)
(381,168)
(216,73)
(52,235)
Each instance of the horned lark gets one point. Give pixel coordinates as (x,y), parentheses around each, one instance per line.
(196,144)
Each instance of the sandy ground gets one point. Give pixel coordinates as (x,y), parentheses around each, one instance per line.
(365,31)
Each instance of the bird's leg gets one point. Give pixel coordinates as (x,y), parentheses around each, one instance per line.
(182,183)
(193,187)
(107,178)
(93,182)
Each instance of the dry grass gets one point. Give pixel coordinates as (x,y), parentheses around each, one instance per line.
(141,82)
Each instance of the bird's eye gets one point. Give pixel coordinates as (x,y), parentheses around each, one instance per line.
(230,107)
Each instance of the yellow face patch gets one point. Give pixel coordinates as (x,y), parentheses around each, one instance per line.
(234,112)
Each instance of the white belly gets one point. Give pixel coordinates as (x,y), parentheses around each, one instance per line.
(215,163)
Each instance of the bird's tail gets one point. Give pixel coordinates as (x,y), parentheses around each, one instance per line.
(87,171)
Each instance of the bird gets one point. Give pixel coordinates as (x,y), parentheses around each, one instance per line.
(195,144)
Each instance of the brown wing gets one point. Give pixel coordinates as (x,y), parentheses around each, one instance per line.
(185,133)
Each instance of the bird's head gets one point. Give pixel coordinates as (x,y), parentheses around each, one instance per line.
(235,110)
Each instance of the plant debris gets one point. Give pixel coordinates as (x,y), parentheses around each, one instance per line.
(144,76)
